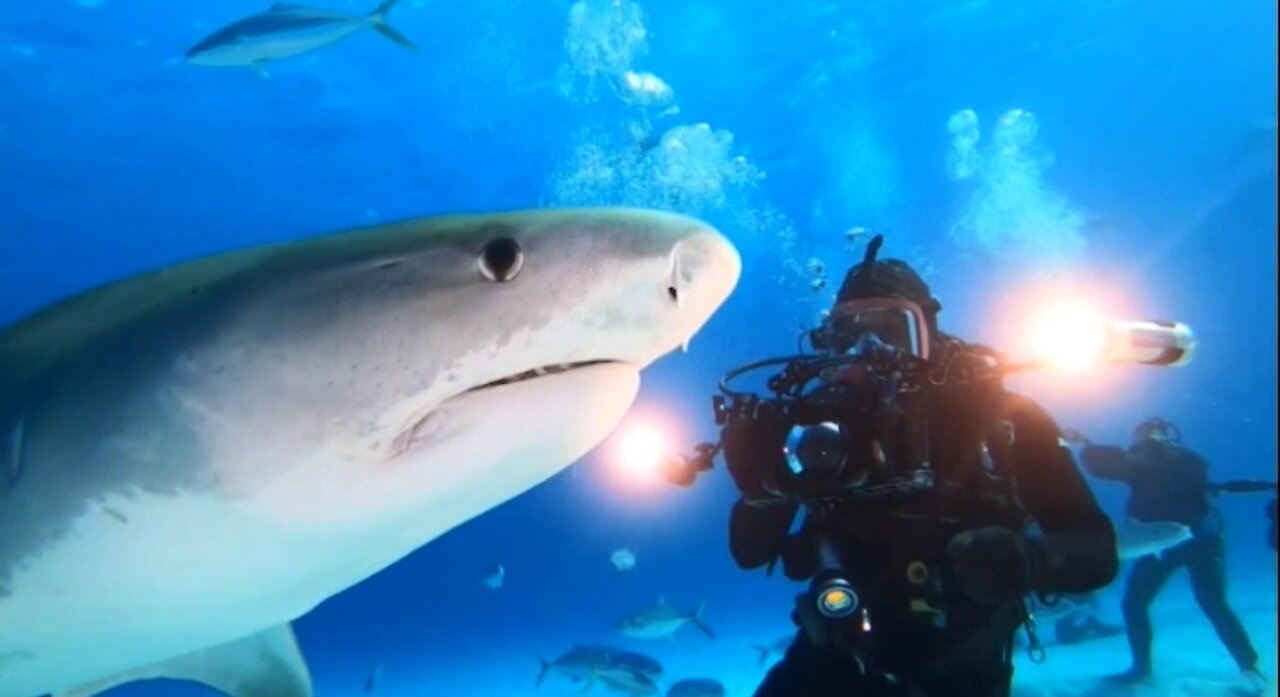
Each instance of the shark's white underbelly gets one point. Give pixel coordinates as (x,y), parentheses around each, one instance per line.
(141,579)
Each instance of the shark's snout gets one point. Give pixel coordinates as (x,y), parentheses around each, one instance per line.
(704,269)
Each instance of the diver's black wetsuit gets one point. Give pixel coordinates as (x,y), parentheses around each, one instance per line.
(927,638)
(1170,483)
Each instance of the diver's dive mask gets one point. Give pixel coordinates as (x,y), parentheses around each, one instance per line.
(894,321)
(1156,430)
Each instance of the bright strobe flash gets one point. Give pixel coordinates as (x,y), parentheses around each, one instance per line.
(1070,336)
(642,449)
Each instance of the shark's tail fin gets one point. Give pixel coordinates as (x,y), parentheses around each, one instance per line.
(696,619)
(764,654)
(378,19)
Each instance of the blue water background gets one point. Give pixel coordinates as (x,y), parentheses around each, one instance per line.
(116,158)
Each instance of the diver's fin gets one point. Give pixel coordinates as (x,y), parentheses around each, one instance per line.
(696,619)
(378,18)
(266,664)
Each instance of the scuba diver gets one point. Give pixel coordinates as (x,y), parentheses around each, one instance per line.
(920,478)
(1169,482)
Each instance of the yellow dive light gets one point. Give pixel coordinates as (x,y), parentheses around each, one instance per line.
(836,598)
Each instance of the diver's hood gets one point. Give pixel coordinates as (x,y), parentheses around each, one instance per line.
(890,278)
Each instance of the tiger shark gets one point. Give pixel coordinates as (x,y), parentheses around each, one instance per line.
(194,457)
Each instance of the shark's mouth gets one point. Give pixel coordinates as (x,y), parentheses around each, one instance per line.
(429,425)
(538,373)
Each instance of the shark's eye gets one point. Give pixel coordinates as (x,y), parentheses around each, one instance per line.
(501,259)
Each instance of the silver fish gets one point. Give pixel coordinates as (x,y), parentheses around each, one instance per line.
(662,622)
(285,30)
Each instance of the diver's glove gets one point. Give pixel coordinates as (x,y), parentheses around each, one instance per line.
(993,564)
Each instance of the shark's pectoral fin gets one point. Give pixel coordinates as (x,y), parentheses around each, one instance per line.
(266,664)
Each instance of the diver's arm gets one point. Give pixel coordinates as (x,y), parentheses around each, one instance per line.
(1242,486)
(757,534)
(1078,550)
(1106,462)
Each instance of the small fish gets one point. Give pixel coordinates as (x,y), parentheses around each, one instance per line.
(374,677)
(697,687)
(779,646)
(630,660)
(285,30)
(578,663)
(662,622)
(623,559)
(1137,539)
(855,236)
(494,578)
(629,682)
(586,662)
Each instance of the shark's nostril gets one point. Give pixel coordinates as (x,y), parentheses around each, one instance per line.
(674,280)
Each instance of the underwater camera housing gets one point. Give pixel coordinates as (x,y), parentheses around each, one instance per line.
(834,427)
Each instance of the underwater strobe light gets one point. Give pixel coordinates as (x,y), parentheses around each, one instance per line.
(1076,336)
(1166,344)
